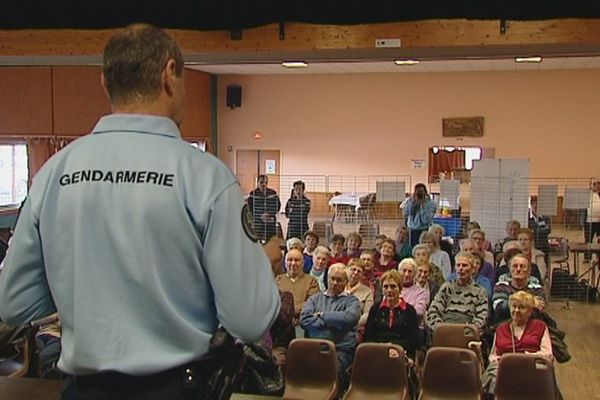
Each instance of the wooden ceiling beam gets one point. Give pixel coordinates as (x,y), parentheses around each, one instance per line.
(300,37)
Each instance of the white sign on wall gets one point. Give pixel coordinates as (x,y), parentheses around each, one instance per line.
(417,164)
(270,167)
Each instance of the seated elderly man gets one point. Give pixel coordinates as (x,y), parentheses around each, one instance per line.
(334,315)
(519,279)
(295,281)
(510,249)
(460,301)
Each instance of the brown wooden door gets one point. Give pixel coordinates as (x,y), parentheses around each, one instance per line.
(250,163)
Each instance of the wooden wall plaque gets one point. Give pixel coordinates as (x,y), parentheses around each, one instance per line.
(455,127)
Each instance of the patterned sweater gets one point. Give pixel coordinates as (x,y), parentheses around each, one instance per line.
(459,304)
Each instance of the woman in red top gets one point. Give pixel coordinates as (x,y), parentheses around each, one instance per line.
(522,334)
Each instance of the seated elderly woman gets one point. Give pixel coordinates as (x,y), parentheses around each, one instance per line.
(412,293)
(295,281)
(386,261)
(445,245)
(486,269)
(486,245)
(394,319)
(355,287)
(403,247)
(321,258)
(353,243)
(334,315)
(461,301)
(336,244)
(311,241)
(422,254)
(519,279)
(522,334)
(438,257)
(423,280)
(478,236)
(368,277)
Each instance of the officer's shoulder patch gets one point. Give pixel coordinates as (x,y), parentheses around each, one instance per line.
(248,223)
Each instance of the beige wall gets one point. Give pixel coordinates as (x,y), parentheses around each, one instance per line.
(376,123)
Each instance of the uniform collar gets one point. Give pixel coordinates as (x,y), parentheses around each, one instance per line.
(137,123)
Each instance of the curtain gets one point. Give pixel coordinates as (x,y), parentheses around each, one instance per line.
(39,150)
(445,161)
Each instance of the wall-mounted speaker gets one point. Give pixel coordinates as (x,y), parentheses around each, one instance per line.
(234,96)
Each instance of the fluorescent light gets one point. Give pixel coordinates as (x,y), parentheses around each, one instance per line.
(294,64)
(406,62)
(533,59)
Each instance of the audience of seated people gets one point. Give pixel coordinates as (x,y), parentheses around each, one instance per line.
(422,254)
(334,315)
(519,279)
(437,256)
(403,247)
(311,241)
(460,301)
(353,243)
(447,247)
(393,319)
(521,334)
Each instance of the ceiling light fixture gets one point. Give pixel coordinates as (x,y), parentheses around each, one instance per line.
(406,62)
(294,64)
(533,59)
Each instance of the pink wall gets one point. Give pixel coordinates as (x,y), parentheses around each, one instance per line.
(376,123)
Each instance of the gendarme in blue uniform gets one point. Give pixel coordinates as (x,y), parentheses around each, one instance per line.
(136,238)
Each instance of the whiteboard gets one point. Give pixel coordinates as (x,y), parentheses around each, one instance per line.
(576,198)
(547,200)
(449,193)
(499,193)
(390,191)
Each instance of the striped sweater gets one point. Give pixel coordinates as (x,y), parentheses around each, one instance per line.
(459,304)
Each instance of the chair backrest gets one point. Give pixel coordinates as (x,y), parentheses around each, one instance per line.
(324,230)
(18,345)
(525,377)
(455,335)
(451,373)
(379,372)
(311,370)
(368,231)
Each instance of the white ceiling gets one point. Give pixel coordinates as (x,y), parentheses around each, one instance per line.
(361,67)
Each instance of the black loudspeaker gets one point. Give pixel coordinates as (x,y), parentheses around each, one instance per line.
(234,96)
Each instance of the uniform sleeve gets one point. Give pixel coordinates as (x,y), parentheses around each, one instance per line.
(246,296)
(24,291)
